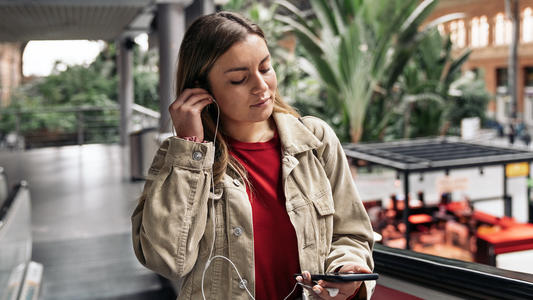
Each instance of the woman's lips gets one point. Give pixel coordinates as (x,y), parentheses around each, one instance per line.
(260,103)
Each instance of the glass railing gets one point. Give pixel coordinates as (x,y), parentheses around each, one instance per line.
(423,275)
(4,190)
(19,277)
(60,126)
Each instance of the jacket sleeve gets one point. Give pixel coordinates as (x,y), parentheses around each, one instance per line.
(170,217)
(353,237)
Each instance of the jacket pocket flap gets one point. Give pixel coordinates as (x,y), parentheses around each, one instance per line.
(324,205)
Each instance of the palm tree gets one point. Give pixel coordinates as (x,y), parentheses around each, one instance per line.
(357,48)
(418,104)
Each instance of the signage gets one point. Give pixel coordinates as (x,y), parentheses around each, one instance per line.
(517,169)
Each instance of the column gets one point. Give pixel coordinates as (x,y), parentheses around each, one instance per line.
(125,92)
(197,9)
(171,29)
(511,9)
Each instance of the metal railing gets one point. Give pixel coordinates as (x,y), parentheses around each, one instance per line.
(457,278)
(61,126)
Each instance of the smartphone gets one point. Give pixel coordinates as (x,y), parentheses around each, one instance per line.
(342,277)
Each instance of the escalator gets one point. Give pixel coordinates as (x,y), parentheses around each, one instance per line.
(102,267)
(20,277)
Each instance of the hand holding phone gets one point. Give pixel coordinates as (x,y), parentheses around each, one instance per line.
(343,277)
(347,281)
(185,112)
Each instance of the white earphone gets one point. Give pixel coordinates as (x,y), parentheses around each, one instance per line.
(332,291)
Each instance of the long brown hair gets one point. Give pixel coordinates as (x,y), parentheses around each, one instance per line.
(208,38)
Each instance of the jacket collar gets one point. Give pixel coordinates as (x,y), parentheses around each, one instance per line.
(295,137)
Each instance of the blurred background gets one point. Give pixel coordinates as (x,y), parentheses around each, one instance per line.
(433,101)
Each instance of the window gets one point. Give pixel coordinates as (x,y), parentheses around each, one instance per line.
(458,33)
(480,32)
(527,26)
(483,31)
(502,30)
(475,32)
(501,77)
(528,74)
(440,27)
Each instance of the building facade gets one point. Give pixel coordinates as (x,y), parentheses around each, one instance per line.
(10,70)
(487,31)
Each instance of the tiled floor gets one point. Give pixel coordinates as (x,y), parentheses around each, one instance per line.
(82,200)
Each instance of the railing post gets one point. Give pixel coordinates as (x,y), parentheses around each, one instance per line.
(508,206)
(17,128)
(79,122)
(406,210)
(507,200)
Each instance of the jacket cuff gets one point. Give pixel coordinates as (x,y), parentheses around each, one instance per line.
(189,154)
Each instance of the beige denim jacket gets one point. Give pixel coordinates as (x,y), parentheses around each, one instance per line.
(173,222)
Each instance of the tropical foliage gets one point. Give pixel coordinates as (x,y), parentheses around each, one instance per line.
(357,50)
(429,95)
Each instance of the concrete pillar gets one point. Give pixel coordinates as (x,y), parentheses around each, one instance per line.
(197,9)
(125,92)
(512,12)
(171,28)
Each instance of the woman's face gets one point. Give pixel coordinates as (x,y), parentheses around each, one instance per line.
(243,82)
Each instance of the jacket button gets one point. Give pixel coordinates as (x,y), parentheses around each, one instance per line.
(236,182)
(237,231)
(197,155)
(243,283)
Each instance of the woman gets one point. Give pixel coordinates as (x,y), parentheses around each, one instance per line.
(234,208)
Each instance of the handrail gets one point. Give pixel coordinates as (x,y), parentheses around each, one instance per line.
(4,190)
(146,111)
(6,206)
(460,278)
(59,109)
(83,124)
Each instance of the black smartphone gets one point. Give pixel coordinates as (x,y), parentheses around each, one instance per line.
(343,277)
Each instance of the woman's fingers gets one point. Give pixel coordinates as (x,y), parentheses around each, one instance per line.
(195,104)
(189,92)
(353,268)
(340,290)
(186,112)
(324,293)
(305,280)
(187,98)
(337,290)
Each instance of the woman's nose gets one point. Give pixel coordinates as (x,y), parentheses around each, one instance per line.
(260,84)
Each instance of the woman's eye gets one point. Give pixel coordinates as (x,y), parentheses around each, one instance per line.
(265,70)
(238,82)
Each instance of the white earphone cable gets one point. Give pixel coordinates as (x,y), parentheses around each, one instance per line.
(211,257)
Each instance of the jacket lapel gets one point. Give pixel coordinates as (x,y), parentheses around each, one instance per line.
(295,138)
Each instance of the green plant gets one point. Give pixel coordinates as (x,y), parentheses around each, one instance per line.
(469,100)
(417,103)
(356,48)
(36,103)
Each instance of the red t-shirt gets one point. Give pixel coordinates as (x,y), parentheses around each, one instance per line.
(275,245)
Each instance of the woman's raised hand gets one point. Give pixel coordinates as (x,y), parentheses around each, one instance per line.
(186,112)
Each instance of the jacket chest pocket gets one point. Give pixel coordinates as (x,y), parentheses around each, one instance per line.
(324,210)
(312,217)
